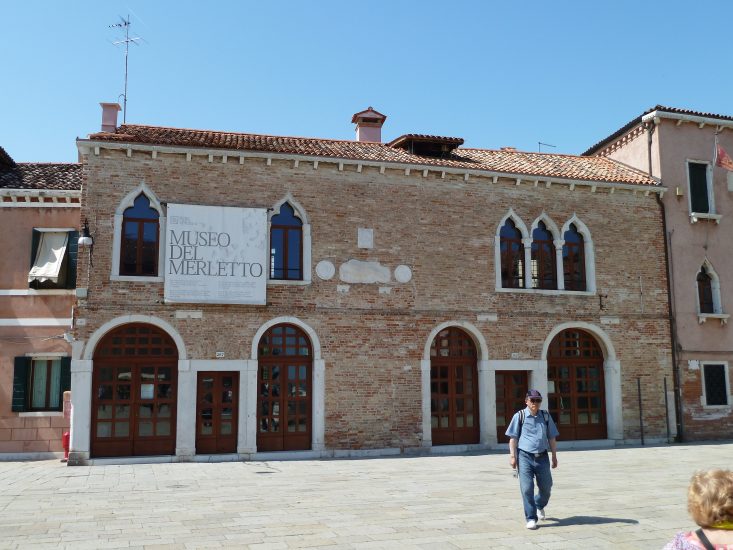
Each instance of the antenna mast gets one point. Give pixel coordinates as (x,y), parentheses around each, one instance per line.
(125,24)
(540,144)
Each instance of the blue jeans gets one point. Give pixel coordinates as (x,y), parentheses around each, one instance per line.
(531,468)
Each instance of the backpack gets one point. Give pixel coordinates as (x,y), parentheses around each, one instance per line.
(546,417)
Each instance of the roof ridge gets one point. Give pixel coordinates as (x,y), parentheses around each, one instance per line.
(542,153)
(248,134)
(538,164)
(43,163)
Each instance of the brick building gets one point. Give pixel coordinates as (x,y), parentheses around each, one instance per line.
(39,218)
(679,146)
(249,294)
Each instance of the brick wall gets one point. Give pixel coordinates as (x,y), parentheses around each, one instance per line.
(443,229)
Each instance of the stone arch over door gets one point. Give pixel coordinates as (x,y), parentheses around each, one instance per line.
(81,379)
(578,369)
(317,383)
(134,392)
(484,384)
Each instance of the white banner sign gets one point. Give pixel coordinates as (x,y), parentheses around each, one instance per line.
(215,255)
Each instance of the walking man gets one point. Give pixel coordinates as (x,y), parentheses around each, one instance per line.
(532,433)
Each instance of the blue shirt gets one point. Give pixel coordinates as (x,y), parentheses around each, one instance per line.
(535,434)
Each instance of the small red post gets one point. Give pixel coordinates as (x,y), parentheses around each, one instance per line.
(65,444)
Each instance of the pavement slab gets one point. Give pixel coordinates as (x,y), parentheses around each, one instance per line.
(621,498)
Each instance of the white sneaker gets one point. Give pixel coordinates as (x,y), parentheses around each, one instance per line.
(531,524)
(540,513)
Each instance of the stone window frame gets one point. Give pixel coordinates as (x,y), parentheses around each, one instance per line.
(557,243)
(728,393)
(718,312)
(300,213)
(127,202)
(519,224)
(711,213)
(589,252)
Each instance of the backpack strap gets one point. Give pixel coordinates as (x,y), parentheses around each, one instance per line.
(705,542)
(521,423)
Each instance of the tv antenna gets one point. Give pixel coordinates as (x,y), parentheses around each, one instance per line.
(125,24)
(540,144)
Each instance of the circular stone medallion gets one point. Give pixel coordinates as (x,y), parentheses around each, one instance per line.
(403,274)
(325,270)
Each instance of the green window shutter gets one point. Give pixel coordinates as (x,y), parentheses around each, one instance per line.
(35,241)
(65,379)
(72,249)
(20,383)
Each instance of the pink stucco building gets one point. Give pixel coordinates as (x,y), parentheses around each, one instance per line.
(679,147)
(39,218)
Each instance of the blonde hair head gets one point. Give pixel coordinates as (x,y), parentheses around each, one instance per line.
(710,497)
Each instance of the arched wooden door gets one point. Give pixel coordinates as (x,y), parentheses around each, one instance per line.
(134,387)
(576,391)
(453,388)
(284,380)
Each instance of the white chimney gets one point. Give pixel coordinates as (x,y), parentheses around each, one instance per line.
(369,125)
(109,116)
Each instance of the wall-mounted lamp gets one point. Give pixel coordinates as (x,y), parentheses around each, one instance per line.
(85,239)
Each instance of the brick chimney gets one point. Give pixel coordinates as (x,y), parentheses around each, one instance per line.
(369,125)
(109,116)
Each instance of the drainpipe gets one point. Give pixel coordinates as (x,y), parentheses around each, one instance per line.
(650,127)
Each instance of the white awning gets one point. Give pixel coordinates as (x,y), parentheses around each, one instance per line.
(49,257)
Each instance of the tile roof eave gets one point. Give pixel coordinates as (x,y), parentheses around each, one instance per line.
(688,117)
(660,111)
(180,149)
(39,191)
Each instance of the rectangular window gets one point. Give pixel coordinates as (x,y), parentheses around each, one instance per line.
(45,381)
(39,383)
(53,259)
(715,386)
(699,188)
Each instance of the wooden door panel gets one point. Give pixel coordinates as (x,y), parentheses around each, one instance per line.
(134,381)
(217,399)
(576,395)
(284,406)
(511,391)
(454,404)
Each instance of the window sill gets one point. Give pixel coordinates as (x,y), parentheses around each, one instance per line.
(547,292)
(133,279)
(702,317)
(696,216)
(39,414)
(285,282)
(719,407)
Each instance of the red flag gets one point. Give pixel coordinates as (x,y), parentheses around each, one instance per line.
(723,160)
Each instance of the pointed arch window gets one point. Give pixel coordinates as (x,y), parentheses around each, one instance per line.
(705,291)
(512,256)
(544,264)
(286,245)
(140,239)
(573,258)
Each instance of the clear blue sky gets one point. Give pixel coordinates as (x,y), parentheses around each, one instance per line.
(507,73)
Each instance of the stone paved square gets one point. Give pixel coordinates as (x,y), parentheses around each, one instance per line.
(625,497)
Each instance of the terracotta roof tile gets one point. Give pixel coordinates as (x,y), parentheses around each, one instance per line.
(539,165)
(36,175)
